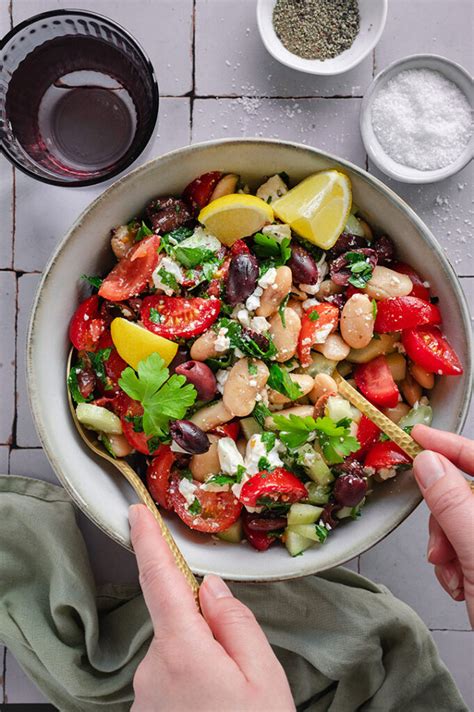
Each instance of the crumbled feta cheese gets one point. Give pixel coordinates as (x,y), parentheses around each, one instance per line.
(243,317)
(168,265)
(272,189)
(239,353)
(268,278)
(222,343)
(258,397)
(221,376)
(253,302)
(321,335)
(279,231)
(310,288)
(257,449)
(86,317)
(188,490)
(253,383)
(259,324)
(202,238)
(229,456)
(386,473)
(310,303)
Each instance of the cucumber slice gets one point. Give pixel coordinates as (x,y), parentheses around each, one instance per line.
(314,465)
(320,364)
(338,408)
(383,344)
(303,514)
(308,531)
(353,226)
(318,494)
(423,414)
(250,427)
(97,418)
(233,534)
(295,543)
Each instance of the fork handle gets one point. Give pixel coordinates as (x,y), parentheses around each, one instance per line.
(147,500)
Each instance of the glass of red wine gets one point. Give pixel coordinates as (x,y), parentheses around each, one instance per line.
(78,98)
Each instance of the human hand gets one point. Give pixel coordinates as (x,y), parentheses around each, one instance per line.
(219,661)
(451,501)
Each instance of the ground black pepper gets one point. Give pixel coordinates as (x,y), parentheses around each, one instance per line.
(316,29)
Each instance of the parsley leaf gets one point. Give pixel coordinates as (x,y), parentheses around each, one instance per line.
(97,360)
(260,412)
(168,279)
(374,309)
(313,315)
(93,280)
(269,248)
(221,479)
(169,240)
(143,231)
(240,339)
(360,268)
(163,398)
(268,439)
(195,507)
(240,472)
(321,532)
(73,385)
(154,316)
(280,381)
(281,310)
(295,430)
(253,370)
(270,503)
(334,438)
(193,256)
(264,464)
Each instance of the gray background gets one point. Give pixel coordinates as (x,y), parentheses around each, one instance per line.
(216,80)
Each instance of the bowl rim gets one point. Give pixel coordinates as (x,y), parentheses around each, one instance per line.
(376,152)
(310,66)
(32,389)
(154,104)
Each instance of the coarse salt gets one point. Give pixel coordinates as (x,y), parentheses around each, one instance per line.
(422,119)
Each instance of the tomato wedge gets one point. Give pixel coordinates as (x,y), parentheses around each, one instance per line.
(218,509)
(131,275)
(398,313)
(278,485)
(367,434)
(386,455)
(178,316)
(419,289)
(258,538)
(158,476)
(427,347)
(115,364)
(228,430)
(375,381)
(316,329)
(86,326)
(127,408)
(198,192)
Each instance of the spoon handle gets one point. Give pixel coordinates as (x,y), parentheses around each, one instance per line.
(146,498)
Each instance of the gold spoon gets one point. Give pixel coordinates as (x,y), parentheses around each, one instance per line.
(90,439)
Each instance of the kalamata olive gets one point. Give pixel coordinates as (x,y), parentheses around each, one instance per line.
(250,335)
(350,467)
(189,437)
(339,269)
(201,377)
(241,278)
(86,382)
(385,250)
(303,266)
(327,517)
(346,243)
(110,310)
(166,214)
(337,299)
(182,355)
(265,524)
(349,490)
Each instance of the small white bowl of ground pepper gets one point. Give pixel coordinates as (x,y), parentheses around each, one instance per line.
(324,37)
(416,119)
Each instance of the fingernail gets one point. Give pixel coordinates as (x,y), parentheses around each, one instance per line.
(428,468)
(133,514)
(452,578)
(430,552)
(217,587)
(458,594)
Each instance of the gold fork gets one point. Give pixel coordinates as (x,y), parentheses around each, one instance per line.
(90,439)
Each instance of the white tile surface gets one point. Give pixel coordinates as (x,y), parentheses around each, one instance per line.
(25,430)
(7,354)
(232,61)
(457,652)
(327,124)
(6,211)
(39,227)
(4,452)
(164,29)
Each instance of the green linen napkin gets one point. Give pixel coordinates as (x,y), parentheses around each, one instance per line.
(345,643)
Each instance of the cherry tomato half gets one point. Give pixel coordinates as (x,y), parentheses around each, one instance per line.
(328,315)
(419,289)
(127,408)
(179,316)
(367,434)
(158,476)
(86,326)
(375,381)
(386,455)
(131,275)
(427,347)
(228,430)
(115,364)
(218,509)
(198,193)
(398,313)
(279,485)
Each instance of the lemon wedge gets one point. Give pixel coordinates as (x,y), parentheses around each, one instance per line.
(134,343)
(318,207)
(235,216)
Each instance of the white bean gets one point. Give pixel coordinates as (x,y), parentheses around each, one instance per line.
(328,288)
(119,445)
(205,346)
(211,416)
(334,348)
(397,365)
(241,386)
(397,412)
(424,378)
(285,338)
(305,383)
(275,293)
(357,321)
(323,385)
(386,283)
(207,463)
(411,389)
(226,186)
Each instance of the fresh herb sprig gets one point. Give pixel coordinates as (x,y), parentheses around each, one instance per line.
(280,380)
(334,438)
(240,340)
(361,269)
(93,280)
(268,248)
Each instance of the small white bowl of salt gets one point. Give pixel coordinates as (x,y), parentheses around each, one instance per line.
(416,119)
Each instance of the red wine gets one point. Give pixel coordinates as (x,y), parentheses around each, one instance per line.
(75,104)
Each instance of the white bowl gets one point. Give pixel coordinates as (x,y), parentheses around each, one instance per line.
(452,71)
(96,488)
(373,14)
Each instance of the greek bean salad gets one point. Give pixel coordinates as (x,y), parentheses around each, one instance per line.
(206,355)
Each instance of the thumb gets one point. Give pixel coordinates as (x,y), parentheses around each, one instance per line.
(234,626)
(450,499)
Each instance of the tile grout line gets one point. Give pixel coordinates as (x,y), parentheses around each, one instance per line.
(192,94)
